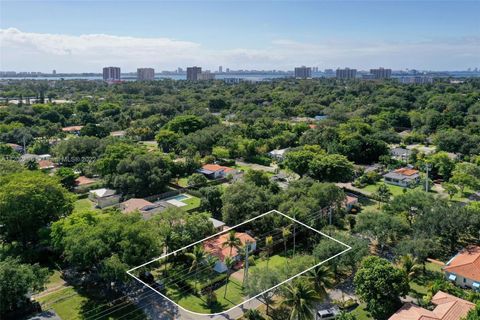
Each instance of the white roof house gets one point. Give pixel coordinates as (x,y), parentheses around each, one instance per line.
(102,192)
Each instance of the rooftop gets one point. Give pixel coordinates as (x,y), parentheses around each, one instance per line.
(466,263)
(134,204)
(448,307)
(215,245)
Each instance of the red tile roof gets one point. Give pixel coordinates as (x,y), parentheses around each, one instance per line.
(216,167)
(215,246)
(72,128)
(406,171)
(82,180)
(448,307)
(46,164)
(466,263)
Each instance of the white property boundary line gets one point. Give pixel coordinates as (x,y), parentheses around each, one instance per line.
(224,231)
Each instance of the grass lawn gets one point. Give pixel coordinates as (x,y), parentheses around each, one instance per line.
(192,203)
(183,182)
(83,204)
(360,313)
(395,190)
(368,204)
(275,262)
(421,284)
(69,304)
(241,167)
(54,280)
(191,302)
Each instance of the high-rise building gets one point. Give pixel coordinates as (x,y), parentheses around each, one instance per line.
(303,72)
(54,72)
(145,74)
(381,73)
(179,70)
(220,69)
(227,70)
(207,75)
(193,72)
(346,73)
(111,74)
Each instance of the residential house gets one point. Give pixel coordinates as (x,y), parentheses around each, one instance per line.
(120,133)
(464,268)
(45,165)
(215,171)
(16,147)
(403,177)
(83,181)
(401,154)
(215,247)
(146,208)
(72,129)
(104,197)
(278,154)
(447,307)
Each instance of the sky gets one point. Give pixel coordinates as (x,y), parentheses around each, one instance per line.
(86,35)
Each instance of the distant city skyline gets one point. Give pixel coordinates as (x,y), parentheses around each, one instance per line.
(264,35)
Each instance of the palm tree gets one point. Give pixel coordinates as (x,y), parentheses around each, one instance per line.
(232,241)
(410,265)
(229,263)
(197,257)
(285,234)
(268,247)
(322,278)
(254,314)
(383,193)
(300,297)
(210,261)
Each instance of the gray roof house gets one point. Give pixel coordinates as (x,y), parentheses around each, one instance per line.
(400,153)
(403,177)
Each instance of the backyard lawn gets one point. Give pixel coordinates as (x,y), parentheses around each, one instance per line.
(69,304)
(360,313)
(192,203)
(194,303)
(83,204)
(421,284)
(395,190)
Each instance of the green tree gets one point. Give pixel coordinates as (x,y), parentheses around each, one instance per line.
(30,201)
(383,193)
(466,175)
(232,241)
(380,285)
(410,265)
(16,281)
(301,298)
(229,263)
(198,257)
(185,124)
(322,279)
(254,314)
(211,201)
(167,140)
(67,177)
(197,180)
(268,247)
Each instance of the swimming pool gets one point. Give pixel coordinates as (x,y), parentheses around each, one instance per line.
(180,197)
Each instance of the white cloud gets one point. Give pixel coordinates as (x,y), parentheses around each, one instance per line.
(27,51)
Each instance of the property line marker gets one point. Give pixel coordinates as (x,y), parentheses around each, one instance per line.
(129,272)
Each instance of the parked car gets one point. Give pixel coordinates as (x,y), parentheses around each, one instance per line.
(327,314)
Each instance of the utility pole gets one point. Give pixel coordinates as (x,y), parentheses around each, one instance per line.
(245,272)
(330,216)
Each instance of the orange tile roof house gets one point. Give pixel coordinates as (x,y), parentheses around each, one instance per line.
(215,171)
(464,268)
(72,129)
(448,307)
(403,177)
(215,247)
